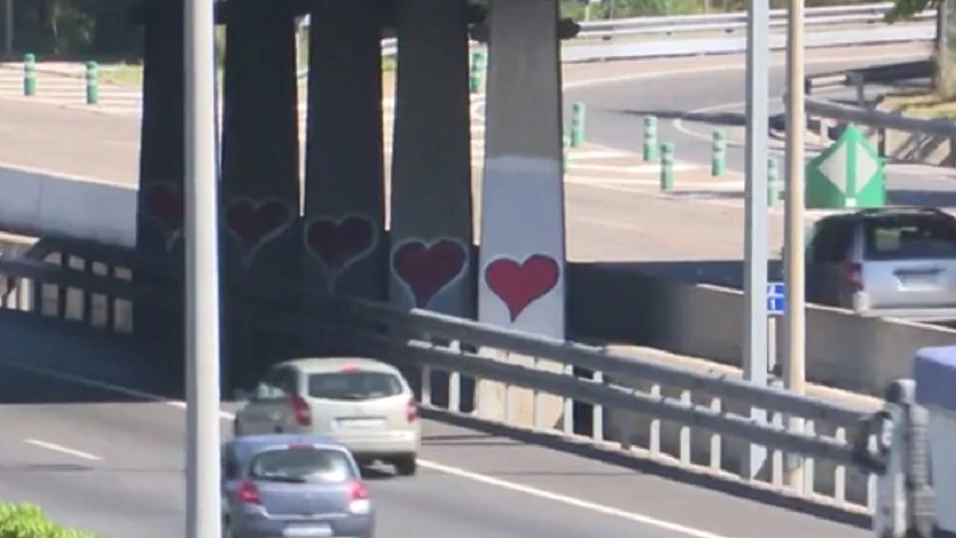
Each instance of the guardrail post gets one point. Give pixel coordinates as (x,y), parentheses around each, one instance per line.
(29,74)
(92,83)
(650,139)
(667,166)
(773,182)
(577,124)
(477,71)
(718,158)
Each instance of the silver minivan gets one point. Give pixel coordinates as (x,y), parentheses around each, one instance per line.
(889,262)
(364,404)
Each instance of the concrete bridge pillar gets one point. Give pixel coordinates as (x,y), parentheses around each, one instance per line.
(344,191)
(431,212)
(521,281)
(260,187)
(161,169)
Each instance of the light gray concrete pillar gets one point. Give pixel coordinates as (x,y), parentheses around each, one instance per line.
(344,191)
(521,282)
(522,206)
(431,213)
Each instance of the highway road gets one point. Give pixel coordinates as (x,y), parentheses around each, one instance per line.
(99,457)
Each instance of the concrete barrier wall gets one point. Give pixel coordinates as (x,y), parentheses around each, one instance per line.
(732,452)
(618,304)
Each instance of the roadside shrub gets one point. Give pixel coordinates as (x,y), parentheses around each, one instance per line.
(29,521)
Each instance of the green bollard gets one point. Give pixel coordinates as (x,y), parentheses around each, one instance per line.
(565,145)
(773,182)
(667,166)
(92,83)
(29,75)
(477,71)
(577,124)
(718,157)
(650,139)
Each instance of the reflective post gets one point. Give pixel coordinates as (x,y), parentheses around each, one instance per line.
(203,510)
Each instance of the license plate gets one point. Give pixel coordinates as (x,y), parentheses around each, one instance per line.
(919,280)
(360,423)
(310,531)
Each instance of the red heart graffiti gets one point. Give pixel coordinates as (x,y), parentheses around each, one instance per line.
(338,243)
(164,205)
(257,222)
(520,284)
(428,268)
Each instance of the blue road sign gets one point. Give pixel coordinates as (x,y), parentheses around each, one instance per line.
(776,300)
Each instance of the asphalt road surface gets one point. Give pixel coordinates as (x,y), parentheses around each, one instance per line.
(102,460)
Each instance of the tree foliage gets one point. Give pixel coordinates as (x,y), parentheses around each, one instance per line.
(29,521)
(906,9)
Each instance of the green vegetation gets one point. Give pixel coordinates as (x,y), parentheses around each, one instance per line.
(29,521)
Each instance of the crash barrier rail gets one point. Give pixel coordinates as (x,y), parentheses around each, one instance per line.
(666,36)
(859,78)
(641,406)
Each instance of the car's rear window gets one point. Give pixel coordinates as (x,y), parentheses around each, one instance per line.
(354,385)
(302,465)
(910,237)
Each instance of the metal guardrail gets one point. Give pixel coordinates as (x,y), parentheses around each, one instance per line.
(835,439)
(667,36)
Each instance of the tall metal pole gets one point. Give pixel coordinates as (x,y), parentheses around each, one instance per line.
(8,30)
(795,312)
(755,205)
(203,511)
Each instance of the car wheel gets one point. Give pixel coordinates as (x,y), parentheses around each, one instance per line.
(406,465)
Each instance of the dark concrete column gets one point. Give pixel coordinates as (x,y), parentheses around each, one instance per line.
(522,211)
(344,191)
(431,217)
(260,183)
(161,169)
(431,212)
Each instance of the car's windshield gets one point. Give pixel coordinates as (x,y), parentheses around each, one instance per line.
(301,465)
(910,237)
(354,385)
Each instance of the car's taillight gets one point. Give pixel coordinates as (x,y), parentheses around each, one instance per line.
(411,411)
(854,276)
(360,501)
(248,493)
(301,410)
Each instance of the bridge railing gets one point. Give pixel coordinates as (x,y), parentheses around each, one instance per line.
(643,404)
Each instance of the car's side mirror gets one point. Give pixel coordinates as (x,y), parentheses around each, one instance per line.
(262,391)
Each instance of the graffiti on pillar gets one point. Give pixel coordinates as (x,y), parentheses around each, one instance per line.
(426,268)
(254,223)
(337,243)
(165,208)
(518,285)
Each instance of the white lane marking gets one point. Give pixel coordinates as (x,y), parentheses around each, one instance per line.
(571,501)
(53,447)
(633,517)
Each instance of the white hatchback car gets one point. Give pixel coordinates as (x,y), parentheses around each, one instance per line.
(364,404)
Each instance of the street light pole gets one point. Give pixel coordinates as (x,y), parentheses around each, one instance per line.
(795,310)
(8,30)
(755,204)
(203,510)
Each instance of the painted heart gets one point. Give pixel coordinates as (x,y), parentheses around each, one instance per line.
(254,223)
(520,284)
(428,268)
(337,243)
(165,207)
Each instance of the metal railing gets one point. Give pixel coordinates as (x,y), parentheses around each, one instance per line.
(680,35)
(696,418)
